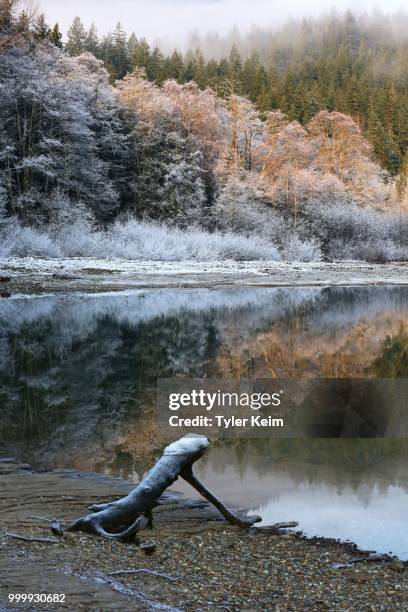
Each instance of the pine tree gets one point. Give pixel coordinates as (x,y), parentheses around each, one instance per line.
(188,67)
(402,181)
(56,36)
(92,41)
(119,52)
(376,133)
(155,66)
(352,36)
(235,69)
(76,38)
(41,29)
(199,76)
(175,67)
(252,74)
(143,54)
(133,49)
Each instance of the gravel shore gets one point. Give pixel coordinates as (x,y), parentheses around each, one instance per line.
(199,562)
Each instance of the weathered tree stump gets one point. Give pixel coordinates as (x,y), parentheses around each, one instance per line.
(121,519)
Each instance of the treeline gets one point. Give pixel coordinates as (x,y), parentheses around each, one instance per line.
(357,66)
(79,153)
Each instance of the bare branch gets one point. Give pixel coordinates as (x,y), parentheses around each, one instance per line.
(16,536)
(145,571)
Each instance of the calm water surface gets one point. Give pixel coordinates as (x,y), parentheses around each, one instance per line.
(77,390)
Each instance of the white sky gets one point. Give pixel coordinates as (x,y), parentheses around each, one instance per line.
(174,19)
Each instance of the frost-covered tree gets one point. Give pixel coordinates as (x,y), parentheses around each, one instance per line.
(243,206)
(244,125)
(182,192)
(286,159)
(3,200)
(7,23)
(169,179)
(200,116)
(343,151)
(170,173)
(287,152)
(285,147)
(59,124)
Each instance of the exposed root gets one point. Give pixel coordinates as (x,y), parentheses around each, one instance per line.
(93,524)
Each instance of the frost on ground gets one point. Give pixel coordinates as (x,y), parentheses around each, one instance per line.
(134,253)
(83,273)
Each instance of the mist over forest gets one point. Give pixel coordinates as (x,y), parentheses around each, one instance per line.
(285,143)
(173,22)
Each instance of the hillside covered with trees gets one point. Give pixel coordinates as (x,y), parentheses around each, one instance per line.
(294,147)
(354,65)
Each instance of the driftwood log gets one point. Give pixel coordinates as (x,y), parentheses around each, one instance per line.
(122,519)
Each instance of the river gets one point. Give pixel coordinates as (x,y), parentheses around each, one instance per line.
(78,379)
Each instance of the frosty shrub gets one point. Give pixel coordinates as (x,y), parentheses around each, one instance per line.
(81,240)
(132,239)
(243,207)
(297,249)
(19,241)
(348,231)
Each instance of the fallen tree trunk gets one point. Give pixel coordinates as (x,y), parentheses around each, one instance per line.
(122,519)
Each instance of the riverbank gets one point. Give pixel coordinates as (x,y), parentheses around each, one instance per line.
(199,562)
(38,275)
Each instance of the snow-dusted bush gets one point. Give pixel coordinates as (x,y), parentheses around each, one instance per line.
(349,231)
(81,240)
(243,207)
(19,241)
(132,239)
(296,249)
(376,250)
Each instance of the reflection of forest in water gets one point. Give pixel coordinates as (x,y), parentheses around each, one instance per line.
(348,489)
(78,373)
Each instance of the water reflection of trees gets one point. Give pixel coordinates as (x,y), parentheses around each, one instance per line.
(393,359)
(337,463)
(78,374)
